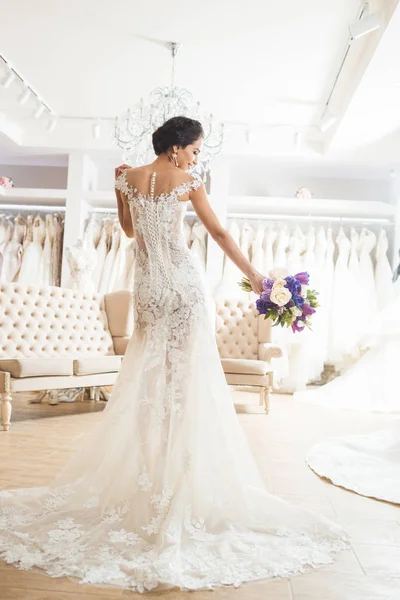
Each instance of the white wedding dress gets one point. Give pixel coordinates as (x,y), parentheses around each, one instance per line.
(165,491)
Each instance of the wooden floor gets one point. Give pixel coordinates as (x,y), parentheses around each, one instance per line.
(42,438)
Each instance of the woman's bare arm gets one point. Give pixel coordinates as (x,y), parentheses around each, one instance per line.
(210,220)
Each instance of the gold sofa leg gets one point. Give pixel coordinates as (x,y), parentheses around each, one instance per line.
(6,409)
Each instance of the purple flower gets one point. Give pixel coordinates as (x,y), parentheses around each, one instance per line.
(293,285)
(263,305)
(298,325)
(267,284)
(303,278)
(265,296)
(307,310)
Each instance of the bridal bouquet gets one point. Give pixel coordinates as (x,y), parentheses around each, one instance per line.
(286,300)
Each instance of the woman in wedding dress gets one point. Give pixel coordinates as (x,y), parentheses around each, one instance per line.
(165,491)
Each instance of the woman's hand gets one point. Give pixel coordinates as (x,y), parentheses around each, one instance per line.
(121,169)
(256,283)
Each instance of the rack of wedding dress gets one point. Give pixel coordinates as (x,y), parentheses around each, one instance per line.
(348,263)
(31,247)
(115,253)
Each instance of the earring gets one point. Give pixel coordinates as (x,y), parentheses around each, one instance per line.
(175,159)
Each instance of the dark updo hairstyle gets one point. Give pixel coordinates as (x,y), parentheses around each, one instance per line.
(178,131)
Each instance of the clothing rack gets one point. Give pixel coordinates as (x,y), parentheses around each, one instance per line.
(31,208)
(310,219)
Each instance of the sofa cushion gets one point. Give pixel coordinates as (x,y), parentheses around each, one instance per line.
(101,364)
(37,367)
(245,366)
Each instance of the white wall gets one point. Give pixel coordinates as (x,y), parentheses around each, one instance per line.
(265,178)
(28,176)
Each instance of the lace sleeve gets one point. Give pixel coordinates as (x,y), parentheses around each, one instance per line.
(121,184)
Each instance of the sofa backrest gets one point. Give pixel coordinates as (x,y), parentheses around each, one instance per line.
(51,321)
(240,329)
(119,308)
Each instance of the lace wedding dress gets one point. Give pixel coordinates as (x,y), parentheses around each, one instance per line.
(165,491)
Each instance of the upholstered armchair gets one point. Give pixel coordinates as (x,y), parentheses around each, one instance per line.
(245,348)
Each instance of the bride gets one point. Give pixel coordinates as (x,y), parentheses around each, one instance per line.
(165,491)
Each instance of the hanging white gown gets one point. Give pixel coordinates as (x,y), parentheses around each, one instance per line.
(12,251)
(118,276)
(295,248)
(355,294)
(282,242)
(369,307)
(47,274)
(269,240)
(257,251)
(6,230)
(104,286)
(130,264)
(341,313)
(165,491)
(319,341)
(309,256)
(31,271)
(383,272)
(371,384)
(246,239)
(101,250)
(231,275)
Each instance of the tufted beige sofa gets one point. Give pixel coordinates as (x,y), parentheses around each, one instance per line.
(55,338)
(244,344)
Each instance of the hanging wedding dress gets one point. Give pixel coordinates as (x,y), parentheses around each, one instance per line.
(118,276)
(101,250)
(130,265)
(383,272)
(165,492)
(57,249)
(28,233)
(319,342)
(282,243)
(309,256)
(295,248)
(5,236)
(47,274)
(371,384)
(354,292)
(231,275)
(31,267)
(257,251)
(12,252)
(246,240)
(106,275)
(269,240)
(368,464)
(369,308)
(341,320)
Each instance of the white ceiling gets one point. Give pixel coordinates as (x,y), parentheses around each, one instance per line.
(252,63)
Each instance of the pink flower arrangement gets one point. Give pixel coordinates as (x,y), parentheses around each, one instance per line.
(6,182)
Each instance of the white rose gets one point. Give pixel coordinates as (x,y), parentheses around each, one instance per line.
(296,311)
(280,295)
(278,273)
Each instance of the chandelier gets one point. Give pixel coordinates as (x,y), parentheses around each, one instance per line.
(134,128)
